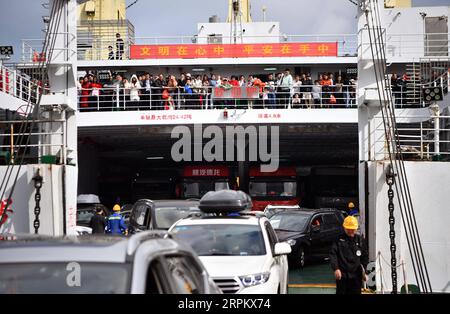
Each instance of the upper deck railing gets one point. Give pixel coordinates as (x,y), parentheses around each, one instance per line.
(397,45)
(98,48)
(410,45)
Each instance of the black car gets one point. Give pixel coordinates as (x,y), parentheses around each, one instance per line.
(161,214)
(125,211)
(310,232)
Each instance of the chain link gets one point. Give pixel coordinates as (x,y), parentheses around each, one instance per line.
(37,198)
(390,180)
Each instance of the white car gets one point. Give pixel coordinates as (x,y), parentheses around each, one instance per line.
(241,252)
(81,230)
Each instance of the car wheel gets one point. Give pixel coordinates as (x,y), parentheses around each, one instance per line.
(301,258)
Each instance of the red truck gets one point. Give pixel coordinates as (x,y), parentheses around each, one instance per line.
(196,181)
(273,188)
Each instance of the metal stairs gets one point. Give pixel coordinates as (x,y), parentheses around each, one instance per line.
(418,139)
(413,83)
(426,72)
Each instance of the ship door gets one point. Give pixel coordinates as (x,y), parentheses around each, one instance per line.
(436,36)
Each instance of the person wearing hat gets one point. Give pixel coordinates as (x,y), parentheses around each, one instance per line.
(120,47)
(352,210)
(349,259)
(116,223)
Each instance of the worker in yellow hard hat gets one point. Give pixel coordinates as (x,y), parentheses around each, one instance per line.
(352,210)
(348,258)
(116,223)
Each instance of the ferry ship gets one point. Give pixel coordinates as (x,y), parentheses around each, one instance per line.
(381,117)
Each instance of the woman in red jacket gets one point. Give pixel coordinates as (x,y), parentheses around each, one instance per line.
(85,92)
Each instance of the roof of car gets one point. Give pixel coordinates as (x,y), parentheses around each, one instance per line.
(303,211)
(219,220)
(30,248)
(182,203)
(282,206)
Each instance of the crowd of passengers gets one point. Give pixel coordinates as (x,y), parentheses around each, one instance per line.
(146,91)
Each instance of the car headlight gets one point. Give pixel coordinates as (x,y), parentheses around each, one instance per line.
(291,242)
(254,280)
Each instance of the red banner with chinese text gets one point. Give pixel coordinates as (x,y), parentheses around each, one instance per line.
(195,51)
(206,171)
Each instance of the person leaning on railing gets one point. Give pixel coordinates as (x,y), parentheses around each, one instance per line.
(339,90)
(188,93)
(296,92)
(135,89)
(260,85)
(284,88)
(326,83)
(95,92)
(85,92)
(316,91)
(206,93)
(126,86)
(171,88)
(306,89)
(270,92)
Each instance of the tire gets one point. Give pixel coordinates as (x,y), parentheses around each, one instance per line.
(301,257)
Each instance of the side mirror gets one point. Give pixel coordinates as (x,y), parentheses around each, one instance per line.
(315,229)
(282,248)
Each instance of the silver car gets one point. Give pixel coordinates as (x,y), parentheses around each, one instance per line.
(148,262)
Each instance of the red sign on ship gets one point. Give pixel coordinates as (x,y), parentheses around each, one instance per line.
(196,51)
(206,171)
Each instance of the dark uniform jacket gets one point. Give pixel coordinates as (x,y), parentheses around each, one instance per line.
(98,224)
(348,254)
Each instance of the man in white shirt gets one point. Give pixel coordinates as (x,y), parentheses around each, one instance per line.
(284,88)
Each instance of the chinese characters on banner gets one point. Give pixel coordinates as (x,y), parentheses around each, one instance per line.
(195,51)
(206,171)
(235,93)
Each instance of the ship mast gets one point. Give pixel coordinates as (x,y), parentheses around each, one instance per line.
(236,18)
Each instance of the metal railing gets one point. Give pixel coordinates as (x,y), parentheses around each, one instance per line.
(98,45)
(427,140)
(204,98)
(32,49)
(397,45)
(19,85)
(33,144)
(412,45)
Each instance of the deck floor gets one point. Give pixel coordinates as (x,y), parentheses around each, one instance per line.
(313,279)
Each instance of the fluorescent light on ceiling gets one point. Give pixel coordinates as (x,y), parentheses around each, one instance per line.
(270,69)
(155,158)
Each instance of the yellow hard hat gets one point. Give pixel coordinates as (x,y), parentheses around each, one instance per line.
(350,223)
(351,205)
(116,208)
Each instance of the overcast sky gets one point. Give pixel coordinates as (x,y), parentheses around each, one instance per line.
(21,19)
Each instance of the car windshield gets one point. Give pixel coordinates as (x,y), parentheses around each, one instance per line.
(222,240)
(56,278)
(165,217)
(271,189)
(290,222)
(198,189)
